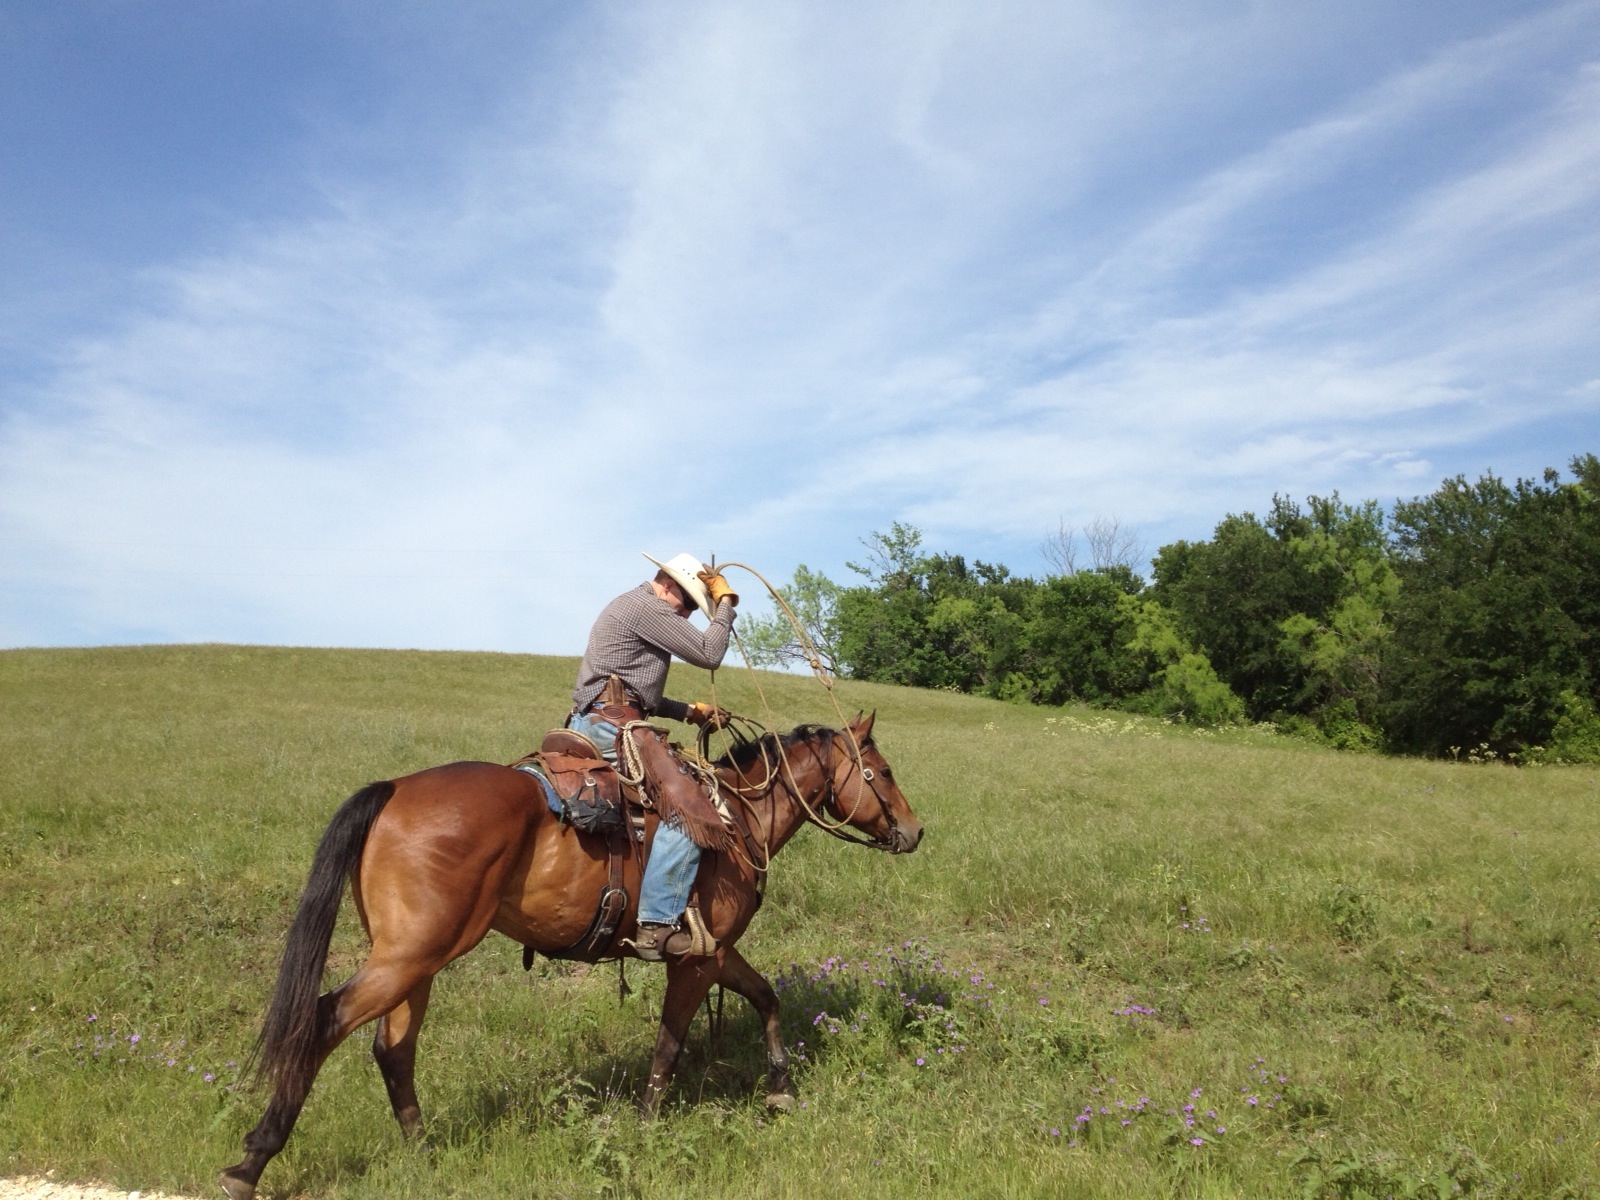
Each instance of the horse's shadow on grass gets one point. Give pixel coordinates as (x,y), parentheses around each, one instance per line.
(581,1087)
(725,1066)
(724,1060)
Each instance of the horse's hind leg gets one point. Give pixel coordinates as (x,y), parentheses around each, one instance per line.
(740,976)
(374,990)
(394,1046)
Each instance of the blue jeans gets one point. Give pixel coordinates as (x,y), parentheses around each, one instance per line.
(674,859)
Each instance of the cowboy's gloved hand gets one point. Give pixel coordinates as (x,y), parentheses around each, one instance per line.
(718,587)
(713,715)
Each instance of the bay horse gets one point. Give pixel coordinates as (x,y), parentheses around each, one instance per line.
(437,859)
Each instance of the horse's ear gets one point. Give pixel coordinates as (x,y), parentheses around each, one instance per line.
(862,725)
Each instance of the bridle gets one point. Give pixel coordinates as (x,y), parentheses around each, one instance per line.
(869,780)
(816,815)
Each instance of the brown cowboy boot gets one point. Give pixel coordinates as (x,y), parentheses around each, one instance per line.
(654,942)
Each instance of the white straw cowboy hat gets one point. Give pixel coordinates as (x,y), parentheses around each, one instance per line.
(685,571)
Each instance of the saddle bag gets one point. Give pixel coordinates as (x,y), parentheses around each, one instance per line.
(588,790)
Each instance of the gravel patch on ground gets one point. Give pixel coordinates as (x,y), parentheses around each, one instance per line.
(34,1187)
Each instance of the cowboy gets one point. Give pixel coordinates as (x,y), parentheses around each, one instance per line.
(633,642)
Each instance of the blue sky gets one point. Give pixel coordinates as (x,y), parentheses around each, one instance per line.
(413,324)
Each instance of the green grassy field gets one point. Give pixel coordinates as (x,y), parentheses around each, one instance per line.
(1367,976)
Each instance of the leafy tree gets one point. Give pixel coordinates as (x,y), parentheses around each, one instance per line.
(1576,736)
(1471,616)
(929,620)
(884,626)
(1292,611)
(1498,620)
(1185,684)
(893,557)
(933,620)
(1230,595)
(1340,656)
(814,599)
(1075,642)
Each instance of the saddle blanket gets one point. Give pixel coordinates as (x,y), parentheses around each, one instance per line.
(550,797)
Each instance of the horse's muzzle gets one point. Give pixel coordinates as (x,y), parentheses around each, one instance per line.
(907,836)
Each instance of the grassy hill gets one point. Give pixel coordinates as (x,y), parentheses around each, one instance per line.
(1366,975)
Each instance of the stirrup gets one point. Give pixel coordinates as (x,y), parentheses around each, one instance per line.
(651,945)
(701,943)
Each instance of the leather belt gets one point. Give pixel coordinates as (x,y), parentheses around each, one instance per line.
(617,703)
(618,714)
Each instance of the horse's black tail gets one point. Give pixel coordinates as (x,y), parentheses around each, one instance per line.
(286,1051)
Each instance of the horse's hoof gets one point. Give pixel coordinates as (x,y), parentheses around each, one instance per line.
(235,1188)
(411,1126)
(780,1102)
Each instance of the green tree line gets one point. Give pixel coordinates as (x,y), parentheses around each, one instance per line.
(1465,622)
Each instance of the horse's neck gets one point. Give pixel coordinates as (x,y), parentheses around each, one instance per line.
(776,815)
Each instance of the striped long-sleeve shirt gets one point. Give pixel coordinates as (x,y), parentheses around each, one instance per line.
(635,637)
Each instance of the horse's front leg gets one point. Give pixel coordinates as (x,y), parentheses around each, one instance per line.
(739,975)
(688,981)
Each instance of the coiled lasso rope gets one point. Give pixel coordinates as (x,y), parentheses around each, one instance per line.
(813,658)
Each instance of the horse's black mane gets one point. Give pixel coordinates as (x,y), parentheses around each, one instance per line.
(746,754)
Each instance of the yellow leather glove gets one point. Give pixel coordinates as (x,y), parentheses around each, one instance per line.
(718,587)
(713,715)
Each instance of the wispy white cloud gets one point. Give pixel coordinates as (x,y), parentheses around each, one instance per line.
(1452,321)
(755,282)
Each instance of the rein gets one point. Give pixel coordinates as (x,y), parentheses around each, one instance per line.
(784,774)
